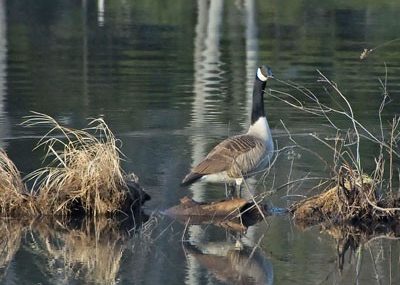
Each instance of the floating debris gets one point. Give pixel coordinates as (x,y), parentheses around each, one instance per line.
(365,53)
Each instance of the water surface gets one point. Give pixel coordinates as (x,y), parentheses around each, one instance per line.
(172,79)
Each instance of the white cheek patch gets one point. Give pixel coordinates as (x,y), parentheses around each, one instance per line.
(260,75)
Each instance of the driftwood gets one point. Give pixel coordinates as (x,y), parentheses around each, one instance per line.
(235,214)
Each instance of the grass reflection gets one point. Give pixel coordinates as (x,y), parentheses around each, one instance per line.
(87,250)
(90,251)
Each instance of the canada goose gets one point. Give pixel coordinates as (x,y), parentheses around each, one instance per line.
(243,155)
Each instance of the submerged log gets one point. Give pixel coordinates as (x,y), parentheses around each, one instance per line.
(234,214)
(225,208)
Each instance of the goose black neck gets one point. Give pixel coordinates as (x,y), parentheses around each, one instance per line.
(258,100)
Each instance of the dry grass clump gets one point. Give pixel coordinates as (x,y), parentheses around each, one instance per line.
(83,175)
(84,172)
(353,198)
(14,198)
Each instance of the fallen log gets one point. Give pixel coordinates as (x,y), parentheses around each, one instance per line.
(236,214)
(224,208)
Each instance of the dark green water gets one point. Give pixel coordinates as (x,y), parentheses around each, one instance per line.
(172,78)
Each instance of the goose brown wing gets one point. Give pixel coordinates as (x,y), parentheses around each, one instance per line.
(223,156)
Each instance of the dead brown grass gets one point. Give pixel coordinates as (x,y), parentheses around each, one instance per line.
(14,197)
(353,199)
(84,172)
(82,176)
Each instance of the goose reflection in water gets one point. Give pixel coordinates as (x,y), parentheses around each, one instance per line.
(232,264)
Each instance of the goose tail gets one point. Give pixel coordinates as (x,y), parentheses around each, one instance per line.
(191,178)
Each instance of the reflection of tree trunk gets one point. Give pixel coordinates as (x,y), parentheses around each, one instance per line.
(206,63)
(251,66)
(251,51)
(206,82)
(100,12)
(198,104)
(3,70)
(211,51)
